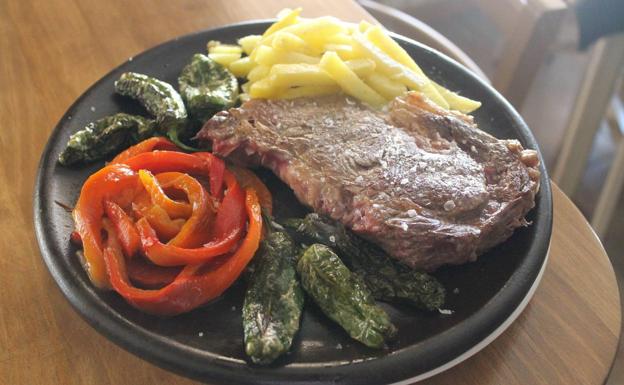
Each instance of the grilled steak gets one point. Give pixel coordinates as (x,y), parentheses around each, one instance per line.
(423,183)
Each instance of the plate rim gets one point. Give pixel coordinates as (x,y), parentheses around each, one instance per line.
(193,362)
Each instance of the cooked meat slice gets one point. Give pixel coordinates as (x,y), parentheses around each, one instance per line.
(423,183)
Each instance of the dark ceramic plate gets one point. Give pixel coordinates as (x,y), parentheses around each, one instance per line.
(207,343)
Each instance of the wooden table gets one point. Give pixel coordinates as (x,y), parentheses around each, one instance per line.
(53,50)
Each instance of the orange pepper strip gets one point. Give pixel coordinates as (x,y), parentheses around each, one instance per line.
(196,284)
(194,232)
(151,144)
(165,227)
(175,209)
(116,182)
(227,230)
(158,218)
(248,178)
(128,235)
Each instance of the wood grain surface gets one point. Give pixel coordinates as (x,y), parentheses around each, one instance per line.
(51,51)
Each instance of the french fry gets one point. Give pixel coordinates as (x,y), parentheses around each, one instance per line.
(456,101)
(262,89)
(345,51)
(283,13)
(349,81)
(361,67)
(364,26)
(241,67)
(224,48)
(386,87)
(384,42)
(291,75)
(249,43)
(308,91)
(298,57)
(340,38)
(288,19)
(287,41)
(316,31)
(268,56)
(384,63)
(377,36)
(258,72)
(224,58)
(397,71)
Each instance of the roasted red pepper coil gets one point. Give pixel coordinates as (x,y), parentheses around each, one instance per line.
(169,231)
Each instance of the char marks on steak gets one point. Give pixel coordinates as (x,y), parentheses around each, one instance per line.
(423,183)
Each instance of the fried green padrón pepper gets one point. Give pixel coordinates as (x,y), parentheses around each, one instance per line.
(105,137)
(343,297)
(386,279)
(273,301)
(207,87)
(159,99)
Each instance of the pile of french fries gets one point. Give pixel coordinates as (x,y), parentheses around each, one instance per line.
(298,57)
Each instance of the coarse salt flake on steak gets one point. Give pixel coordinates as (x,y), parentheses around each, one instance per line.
(423,183)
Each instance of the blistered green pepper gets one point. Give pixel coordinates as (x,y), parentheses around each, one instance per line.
(159,99)
(343,297)
(387,279)
(207,87)
(273,301)
(105,137)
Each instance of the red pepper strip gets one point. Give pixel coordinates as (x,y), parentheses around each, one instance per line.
(151,144)
(187,291)
(231,212)
(217,168)
(128,235)
(115,182)
(228,230)
(248,178)
(175,209)
(149,276)
(166,161)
